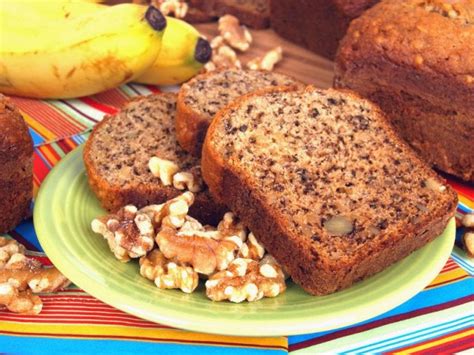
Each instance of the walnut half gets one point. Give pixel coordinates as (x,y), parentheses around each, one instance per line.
(246,279)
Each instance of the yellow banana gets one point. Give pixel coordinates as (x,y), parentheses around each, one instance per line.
(77,56)
(183,54)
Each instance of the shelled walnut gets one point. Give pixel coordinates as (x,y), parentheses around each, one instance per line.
(167,274)
(20,276)
(246,279)
(233,33)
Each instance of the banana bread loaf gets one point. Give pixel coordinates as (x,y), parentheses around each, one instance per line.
(117,154)
(316,24)
(16,161)
(324,183)
(415,59)
(200,98)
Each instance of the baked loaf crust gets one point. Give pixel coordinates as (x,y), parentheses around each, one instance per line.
(415,59)
(324,183)
(318,24)
(116,158)
(16,161)
(200,98)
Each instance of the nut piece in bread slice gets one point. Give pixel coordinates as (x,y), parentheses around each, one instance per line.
(324,183)
(117,154)
(200,98)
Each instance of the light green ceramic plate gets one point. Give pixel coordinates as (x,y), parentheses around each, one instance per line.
(66,206)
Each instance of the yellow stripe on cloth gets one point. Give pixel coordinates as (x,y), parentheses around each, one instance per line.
(38,127)
(451,275)
(434,343)
(466,201)
(139,334)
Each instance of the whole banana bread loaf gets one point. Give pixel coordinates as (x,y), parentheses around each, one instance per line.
(16,162)
(415,59)
(316,24)
(323,181)
(200,98)
(118,152)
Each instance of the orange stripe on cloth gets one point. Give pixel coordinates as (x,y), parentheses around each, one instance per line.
(432,344)
(138,333)
(451,272)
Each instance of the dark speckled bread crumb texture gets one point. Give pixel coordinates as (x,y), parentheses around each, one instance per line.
(117,153)
(16,161)
(415,59)
(323,181)
(204,95)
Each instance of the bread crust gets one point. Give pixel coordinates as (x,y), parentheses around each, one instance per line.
(315,274)
(16,159)
(319,24)
(191,126)
(112,197)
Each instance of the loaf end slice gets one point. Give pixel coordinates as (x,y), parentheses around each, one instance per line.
(325,184)
(204,95)
(116,158)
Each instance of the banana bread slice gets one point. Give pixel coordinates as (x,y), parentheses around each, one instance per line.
(204,95)
(117,153)
(325,184)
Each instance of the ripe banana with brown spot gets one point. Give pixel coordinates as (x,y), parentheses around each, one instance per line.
(183,54)
(77,55)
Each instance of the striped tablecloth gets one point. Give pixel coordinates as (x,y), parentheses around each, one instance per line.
(437,320)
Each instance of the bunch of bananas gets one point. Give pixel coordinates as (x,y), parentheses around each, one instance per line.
(73,48)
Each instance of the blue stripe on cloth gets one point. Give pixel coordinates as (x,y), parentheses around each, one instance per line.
(37,139)
(27,231)
(415,336)
(426,298)
(40,345)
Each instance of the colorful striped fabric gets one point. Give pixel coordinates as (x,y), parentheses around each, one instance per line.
(437,320)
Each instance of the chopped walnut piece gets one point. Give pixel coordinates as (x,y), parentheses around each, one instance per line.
(468,220)
(223,57)
(252,249)
(246,279)
(172,7)
(205,255)
(167,274)
(164,169)
(233,33)
(20,276)
(129,234)
(268,61)
(189,180)
(231,225)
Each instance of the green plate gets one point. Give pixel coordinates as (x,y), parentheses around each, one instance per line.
(66,206)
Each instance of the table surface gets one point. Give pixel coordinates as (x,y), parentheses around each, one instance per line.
(436,320)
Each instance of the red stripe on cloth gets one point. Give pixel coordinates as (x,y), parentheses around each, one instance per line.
(379,323)
(114,98)
(40,167)
(153,89)
(443,348)
(157,340)
(463,188)
(66,145)
(55,120)
(99,106)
